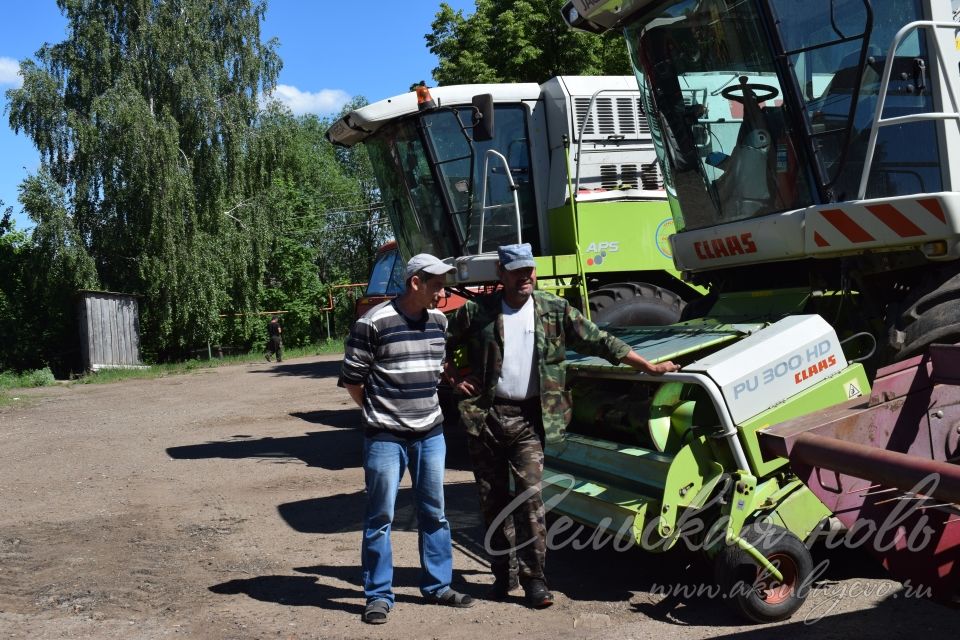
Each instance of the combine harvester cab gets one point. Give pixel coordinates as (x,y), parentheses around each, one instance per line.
(809,153)
(568,166)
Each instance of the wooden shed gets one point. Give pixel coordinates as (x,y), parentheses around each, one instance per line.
(109,330)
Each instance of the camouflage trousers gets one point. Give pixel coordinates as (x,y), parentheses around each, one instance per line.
(511,447)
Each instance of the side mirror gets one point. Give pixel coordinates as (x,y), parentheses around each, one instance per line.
(483,117)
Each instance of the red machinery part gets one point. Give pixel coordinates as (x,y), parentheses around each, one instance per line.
(887,466)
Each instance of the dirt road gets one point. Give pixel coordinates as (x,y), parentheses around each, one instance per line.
(228,503)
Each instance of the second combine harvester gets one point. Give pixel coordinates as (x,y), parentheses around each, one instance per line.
(568,166)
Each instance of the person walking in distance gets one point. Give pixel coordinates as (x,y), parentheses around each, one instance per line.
(516,340)
(392,363)
(274,339)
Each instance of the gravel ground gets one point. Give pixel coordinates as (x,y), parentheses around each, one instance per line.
(227,503)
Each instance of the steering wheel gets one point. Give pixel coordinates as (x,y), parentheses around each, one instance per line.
(738,92)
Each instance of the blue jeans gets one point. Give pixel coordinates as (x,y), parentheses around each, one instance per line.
(383,464)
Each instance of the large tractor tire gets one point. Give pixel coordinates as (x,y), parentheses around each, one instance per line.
(754,592)
(930,314)
(634,304)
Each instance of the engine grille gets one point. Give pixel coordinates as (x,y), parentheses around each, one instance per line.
(611,116)
(645,176)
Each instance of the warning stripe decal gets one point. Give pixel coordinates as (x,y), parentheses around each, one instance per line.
(881,222)
(900,223)
(850,229)
(933,206)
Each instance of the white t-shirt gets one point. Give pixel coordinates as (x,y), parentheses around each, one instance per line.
(519,378)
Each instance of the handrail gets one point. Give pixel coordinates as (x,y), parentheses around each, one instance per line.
(879,122)
(483,199)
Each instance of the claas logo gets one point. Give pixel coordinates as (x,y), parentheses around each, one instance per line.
(814,369)
(725,247)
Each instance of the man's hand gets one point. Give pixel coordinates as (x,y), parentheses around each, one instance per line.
(468,386)
(662,367)
(640,363)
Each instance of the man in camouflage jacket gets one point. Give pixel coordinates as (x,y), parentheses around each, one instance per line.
(510,411)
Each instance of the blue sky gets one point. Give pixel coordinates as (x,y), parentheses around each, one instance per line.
(331,52)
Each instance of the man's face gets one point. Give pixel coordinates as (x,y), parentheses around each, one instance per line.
(428,289)
(520,281)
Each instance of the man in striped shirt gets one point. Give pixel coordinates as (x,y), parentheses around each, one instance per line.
(392,363)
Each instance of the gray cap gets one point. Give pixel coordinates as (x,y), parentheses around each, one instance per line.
(428,263)
(516,256)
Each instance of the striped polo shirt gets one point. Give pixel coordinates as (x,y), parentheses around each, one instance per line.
(398,361)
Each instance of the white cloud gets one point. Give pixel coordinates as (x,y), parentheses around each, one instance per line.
(321,102)
(10,72)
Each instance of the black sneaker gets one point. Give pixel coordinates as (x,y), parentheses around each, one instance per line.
(537,594)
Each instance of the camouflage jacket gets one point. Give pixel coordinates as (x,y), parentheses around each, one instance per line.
(478,325)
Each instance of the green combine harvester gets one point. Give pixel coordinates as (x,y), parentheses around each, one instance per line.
(807,152)
(806,156)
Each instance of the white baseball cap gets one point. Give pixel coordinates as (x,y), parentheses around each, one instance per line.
(429,264)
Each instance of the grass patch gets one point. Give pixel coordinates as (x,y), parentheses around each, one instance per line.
(44,377)
(175,368)
(37,378)
(8,380)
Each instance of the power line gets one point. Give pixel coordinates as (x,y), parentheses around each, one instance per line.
(373,207)
(370,223)
(372,214)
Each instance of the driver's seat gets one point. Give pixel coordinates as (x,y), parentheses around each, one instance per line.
(743,189)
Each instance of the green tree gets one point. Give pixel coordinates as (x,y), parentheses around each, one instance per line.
(322,207)
(41,277)
(146,118)
(12,248)
(518,41)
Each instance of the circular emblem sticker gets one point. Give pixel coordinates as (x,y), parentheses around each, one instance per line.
(664,230)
